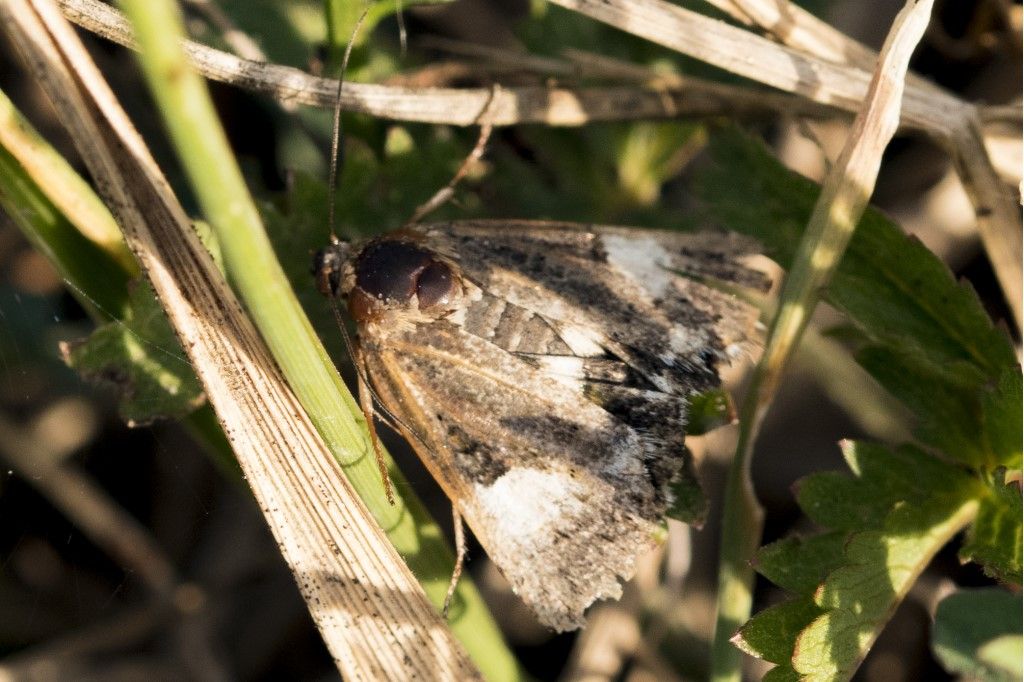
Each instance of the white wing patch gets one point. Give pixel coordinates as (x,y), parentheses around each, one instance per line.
(524,503)
(583,342)
(642,259)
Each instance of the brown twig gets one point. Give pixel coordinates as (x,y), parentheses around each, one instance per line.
(460,106)
(948,119)
(795,27)
(817,78)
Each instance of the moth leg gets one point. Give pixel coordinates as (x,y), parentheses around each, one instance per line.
(460,557)
(366,405)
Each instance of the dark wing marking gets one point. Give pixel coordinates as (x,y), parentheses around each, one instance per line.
(563,484)
(552,403)
(637,294)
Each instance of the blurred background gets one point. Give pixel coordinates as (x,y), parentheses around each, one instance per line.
(71,610)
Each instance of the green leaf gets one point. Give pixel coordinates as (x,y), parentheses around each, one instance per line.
(994,540)
(771,634)
(977,634)
(889,284)
(886,479)
(689,503)
(141,357)
(895,513)
(1001,426)
(782,673)
(946,402)
(801,564)
(708,411)
(923,336)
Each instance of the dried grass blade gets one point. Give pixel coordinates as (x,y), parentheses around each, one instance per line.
(843,199)
(374,617)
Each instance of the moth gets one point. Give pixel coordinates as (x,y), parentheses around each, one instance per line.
(542,372)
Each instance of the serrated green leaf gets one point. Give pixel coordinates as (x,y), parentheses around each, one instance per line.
(800,564)
(835,501)
(994,540)
(141,357)
(782,673)
(886,478)
(930,503)
(889,284)
(1001,408)
(898,510)
(977,633)
(928,341)
(946,404)
(771,634)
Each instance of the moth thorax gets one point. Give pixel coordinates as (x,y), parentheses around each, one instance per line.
(396,274)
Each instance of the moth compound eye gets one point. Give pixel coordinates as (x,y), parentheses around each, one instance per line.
(434,286)
(389,270)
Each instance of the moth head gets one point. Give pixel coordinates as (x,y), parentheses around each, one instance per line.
(327,267)
(394,273)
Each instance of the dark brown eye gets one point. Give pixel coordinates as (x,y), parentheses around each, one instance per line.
(393,271)
(434,285)
(389,269)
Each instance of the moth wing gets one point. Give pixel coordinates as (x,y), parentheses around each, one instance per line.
(710,254)
(562,494)
(642,295)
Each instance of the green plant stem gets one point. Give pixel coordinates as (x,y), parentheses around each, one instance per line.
(843,199)
(828,233)
(41,164)
(742,524)
(184,102)
(98,279)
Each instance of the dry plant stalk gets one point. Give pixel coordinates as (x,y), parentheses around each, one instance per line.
(817,63)
(952,122)
(795,27)
(848,186)
(844,196)
(373,615)
(453,106)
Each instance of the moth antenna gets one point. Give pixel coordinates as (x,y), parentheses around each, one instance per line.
(403,39)
(366,396)
(337,153)
(444,194)
(366,403)
(460,558)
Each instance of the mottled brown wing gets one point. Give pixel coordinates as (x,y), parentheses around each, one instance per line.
(561,492)
(551,404)
(639,295)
